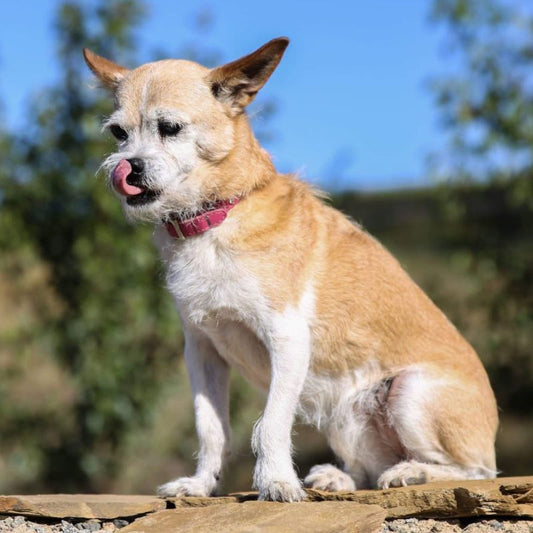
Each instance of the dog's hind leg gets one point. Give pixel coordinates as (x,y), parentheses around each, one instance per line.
(417,472)
(209,377)
(346,413)
(329,478)
(415,427)
(445,424)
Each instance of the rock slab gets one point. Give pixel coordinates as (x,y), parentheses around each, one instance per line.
(254,516)
(511,497)
(364,510)
(102,506)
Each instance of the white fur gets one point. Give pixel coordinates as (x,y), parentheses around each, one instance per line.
(209,375)
(344,408)
(289,346)
(330,478)
(225,307)
(417,472)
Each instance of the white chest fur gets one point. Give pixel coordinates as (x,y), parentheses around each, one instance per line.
(214,293)
(208,282)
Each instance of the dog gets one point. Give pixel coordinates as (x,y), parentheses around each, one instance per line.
(269,279)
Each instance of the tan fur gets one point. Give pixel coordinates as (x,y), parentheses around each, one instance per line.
(366,307)
(108,72)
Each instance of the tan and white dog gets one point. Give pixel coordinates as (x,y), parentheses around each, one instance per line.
(270,280)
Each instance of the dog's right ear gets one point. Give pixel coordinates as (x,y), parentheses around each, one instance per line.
(238,82)
(109,73)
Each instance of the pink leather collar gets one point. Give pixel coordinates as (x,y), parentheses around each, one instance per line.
(210,218)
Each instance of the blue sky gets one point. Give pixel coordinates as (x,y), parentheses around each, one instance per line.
(354,109)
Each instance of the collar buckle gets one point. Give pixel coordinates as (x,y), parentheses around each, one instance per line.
(176,226)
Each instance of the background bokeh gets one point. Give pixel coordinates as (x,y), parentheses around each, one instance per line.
(93,390)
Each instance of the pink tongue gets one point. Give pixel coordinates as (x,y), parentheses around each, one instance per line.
(119,175)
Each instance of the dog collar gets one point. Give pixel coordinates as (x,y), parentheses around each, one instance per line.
(210,218)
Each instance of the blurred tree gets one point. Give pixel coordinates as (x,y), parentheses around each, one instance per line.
(113,331)
(486,105)
(92,332)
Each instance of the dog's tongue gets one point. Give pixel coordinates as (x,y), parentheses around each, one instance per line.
(119,175)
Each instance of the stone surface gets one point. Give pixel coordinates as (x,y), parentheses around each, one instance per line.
(450,499)
(254,516)
(195,501)
(435,507)
(103,506)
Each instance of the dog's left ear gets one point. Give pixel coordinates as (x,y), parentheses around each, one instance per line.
(238,82)
(109,73)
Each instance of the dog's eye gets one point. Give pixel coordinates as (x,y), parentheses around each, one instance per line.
(168,129)
(118,132)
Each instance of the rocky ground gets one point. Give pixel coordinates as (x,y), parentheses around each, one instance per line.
(502,505)
(414,525)
(20,524)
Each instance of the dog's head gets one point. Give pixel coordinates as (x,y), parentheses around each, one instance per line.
(178,126)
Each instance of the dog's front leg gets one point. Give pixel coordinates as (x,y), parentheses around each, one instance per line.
(274,475)
(209,377)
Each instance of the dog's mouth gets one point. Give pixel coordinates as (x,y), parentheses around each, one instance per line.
(129,182)
(142,198)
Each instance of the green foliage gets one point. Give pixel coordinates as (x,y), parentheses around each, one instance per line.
(89,338)
(487,107)
(116,333)
(90,352)
(487,103)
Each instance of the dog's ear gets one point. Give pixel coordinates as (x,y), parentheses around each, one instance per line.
(238,82)
(106,71)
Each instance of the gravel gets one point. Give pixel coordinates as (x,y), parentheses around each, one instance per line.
(20,524)
(414,525)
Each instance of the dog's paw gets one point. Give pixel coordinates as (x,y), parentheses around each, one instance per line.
(403,474)
(281,491)
(328,477)
(184,486)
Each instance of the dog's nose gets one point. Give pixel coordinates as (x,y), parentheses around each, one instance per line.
(137,165)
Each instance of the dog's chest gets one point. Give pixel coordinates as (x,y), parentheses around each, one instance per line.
(208,282)
(215,294)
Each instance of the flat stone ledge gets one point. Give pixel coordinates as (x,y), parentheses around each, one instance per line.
(101,506)
(364,510)
(511,497)
(250,516)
